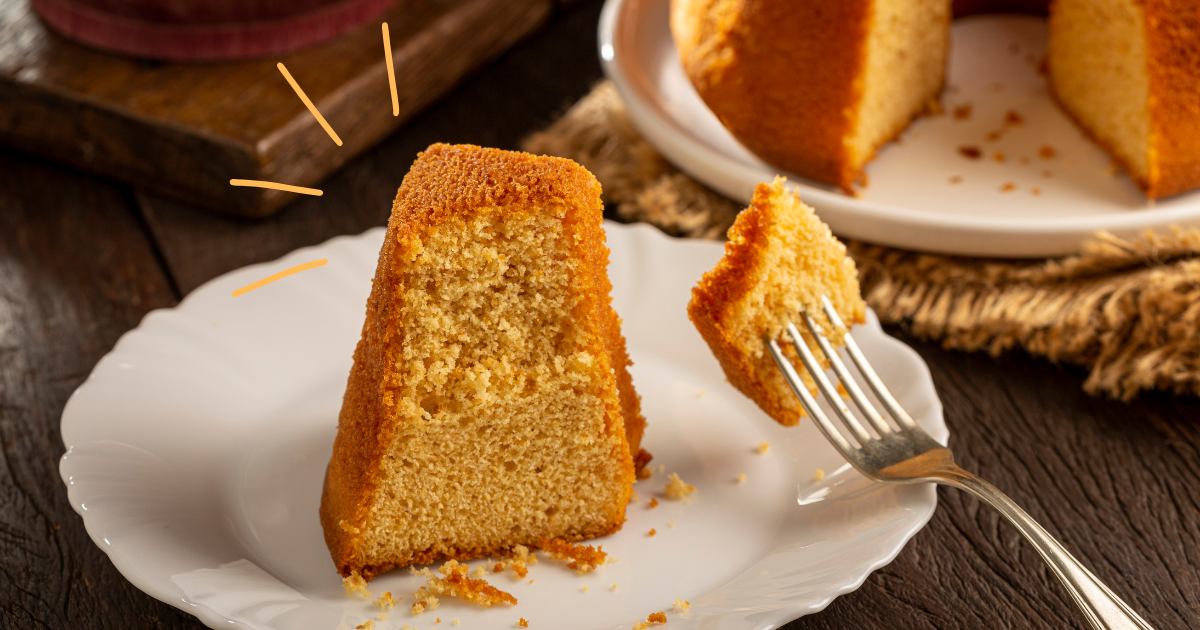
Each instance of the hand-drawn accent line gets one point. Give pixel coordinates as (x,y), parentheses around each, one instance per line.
(258,183)
(387,55)
(312,264)
(309,104)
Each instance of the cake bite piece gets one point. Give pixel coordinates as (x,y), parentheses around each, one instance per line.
(489,404)
(779,260)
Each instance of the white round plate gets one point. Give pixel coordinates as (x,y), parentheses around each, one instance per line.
(196,450)
(910,201)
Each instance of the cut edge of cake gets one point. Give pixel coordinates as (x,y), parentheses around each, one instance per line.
(1139,106)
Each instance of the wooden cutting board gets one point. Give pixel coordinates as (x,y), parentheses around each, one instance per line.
(185,130)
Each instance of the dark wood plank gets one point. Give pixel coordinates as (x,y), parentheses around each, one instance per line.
(198,125)
(76,271)
(496,106)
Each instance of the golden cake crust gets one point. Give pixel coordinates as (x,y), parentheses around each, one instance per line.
(1173,39)
(446,182)
(723,289)
(798,125)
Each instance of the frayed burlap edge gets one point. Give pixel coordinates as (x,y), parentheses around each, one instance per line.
(1128,310)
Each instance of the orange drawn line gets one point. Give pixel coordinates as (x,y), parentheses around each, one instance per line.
(312,264)
(309,104)
(387,55)
(258,183)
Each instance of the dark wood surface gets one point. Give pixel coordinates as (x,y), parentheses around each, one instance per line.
(83,258)
(186,130)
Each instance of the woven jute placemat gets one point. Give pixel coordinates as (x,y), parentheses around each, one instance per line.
(1128,310)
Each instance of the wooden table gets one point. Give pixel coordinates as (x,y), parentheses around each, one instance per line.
(82,259)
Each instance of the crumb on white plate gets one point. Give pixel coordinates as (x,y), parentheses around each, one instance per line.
(356,586)
(678,489)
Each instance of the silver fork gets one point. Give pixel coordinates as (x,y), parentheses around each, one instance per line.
(899,451)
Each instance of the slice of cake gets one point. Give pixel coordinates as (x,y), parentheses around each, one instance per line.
(490,403)
(1128,72)
(813,86)
(779,259)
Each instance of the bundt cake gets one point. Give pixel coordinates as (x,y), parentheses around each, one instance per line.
(779,259)
(489,404)
(816,87)
(812,86)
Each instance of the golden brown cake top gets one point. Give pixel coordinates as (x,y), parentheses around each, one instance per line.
(454,178)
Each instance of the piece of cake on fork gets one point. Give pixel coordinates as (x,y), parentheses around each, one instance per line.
(490,404)
(779,259)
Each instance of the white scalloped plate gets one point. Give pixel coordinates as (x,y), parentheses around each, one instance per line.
(196,448)
(911,202)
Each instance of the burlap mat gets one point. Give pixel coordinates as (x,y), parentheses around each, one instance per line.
(1126,310)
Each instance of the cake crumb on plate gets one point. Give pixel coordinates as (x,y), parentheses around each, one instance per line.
(518,562)
(653,619)
(762,448)
(681,605)
(677,488)
(581,558)
(453,581)
(356,586)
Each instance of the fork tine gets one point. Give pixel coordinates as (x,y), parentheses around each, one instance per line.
(843,373)
(808,402)
(831,394)
(864,367)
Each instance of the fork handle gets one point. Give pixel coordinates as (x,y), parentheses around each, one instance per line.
(1103,609)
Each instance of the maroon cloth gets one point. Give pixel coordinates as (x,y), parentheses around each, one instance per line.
(205,30)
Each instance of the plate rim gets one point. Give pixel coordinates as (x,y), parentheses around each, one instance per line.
(877,222)
(771,618)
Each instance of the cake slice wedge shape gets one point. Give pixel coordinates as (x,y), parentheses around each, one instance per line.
(490,403)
